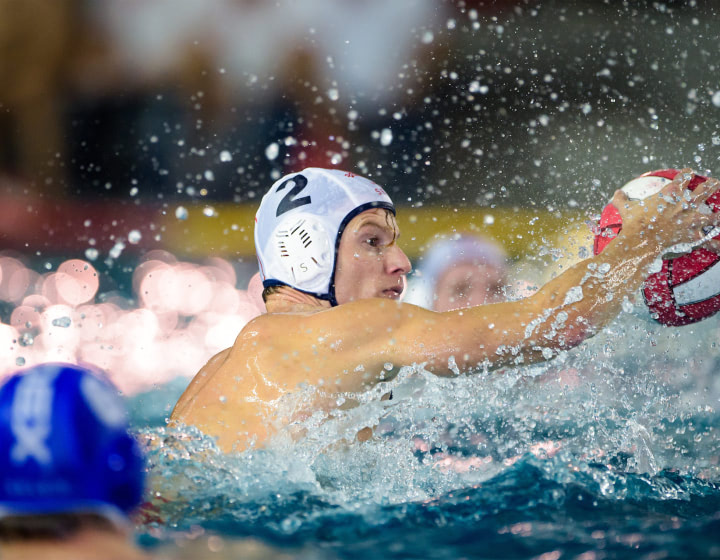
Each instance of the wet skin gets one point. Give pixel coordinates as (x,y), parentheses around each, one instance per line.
(302,341)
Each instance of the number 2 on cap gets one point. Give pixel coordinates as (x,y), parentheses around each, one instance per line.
(290,201)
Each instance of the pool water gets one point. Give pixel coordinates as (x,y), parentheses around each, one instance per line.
(608,451)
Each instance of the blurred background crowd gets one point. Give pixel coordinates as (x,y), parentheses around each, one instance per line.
(136,137)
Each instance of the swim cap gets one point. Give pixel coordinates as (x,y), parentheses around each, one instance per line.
(461,248)
(65,446)
(299,224)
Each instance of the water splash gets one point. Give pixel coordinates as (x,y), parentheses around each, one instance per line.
(525,453)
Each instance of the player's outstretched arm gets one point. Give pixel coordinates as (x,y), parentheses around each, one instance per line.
(350,345)
(573,306)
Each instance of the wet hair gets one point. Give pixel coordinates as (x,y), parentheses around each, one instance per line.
(270,290)
(56,526)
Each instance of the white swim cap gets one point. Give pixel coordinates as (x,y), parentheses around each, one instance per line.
(447,253)
(299,224)
(460,248)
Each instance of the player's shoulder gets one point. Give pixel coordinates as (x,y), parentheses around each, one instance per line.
(369,315)
(352,316)
(270,329)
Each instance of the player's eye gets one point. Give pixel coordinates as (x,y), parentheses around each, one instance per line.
(461,289)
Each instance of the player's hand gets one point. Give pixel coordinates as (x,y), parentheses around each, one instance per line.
(672,216)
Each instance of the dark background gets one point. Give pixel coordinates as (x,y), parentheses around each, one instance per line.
(530,104)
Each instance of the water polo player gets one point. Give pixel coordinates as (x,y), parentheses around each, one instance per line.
(462,271)
(327,245)
(71,473)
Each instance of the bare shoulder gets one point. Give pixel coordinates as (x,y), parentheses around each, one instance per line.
(328,344)
(276,352)
(363,316)
(199,383)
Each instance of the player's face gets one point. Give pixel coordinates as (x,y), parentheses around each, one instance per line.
(468,284)
(370,263)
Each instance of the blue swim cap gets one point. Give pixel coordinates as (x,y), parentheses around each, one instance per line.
(65,446)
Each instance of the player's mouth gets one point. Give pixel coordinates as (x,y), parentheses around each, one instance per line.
(393,293)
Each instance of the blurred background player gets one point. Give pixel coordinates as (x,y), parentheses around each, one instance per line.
(462,271)
(70,472)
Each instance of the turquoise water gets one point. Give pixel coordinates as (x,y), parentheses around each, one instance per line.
(609,451)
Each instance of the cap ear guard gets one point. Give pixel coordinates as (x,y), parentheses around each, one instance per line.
(305,252)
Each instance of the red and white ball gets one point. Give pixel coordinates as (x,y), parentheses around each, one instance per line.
(687,288)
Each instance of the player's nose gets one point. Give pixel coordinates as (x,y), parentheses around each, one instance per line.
(397,261)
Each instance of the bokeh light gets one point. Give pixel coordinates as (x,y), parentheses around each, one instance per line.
(181,314)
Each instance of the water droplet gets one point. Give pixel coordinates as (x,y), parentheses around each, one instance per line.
(117,249)
(716,98)
(386,137)
(627,305)
(333,94)
(63,322)
(181,213)
(20,361)
(134,236)
(428,37)
(91,253)
(225,156)
(209,211)
(272,151)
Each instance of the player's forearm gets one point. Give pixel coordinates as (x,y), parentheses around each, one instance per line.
(566,311)
(576,304)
